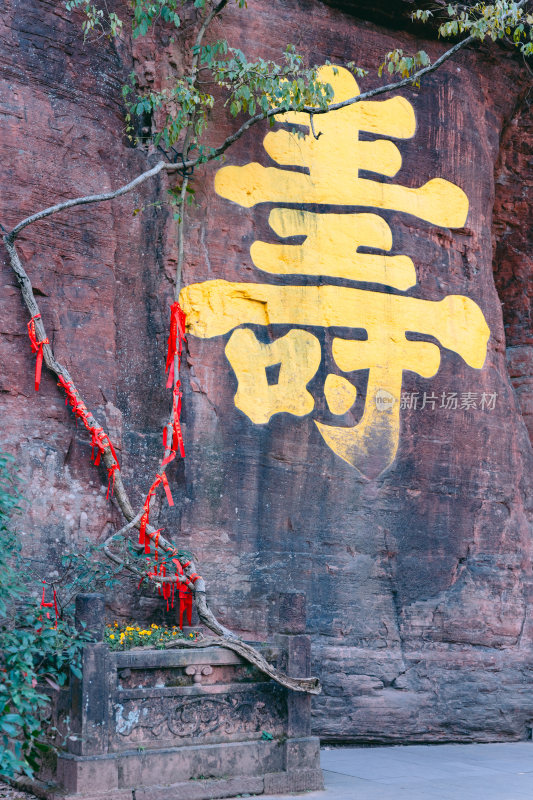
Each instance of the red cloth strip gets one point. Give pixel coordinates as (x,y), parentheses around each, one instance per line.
(99,439)
(36,347)
(144,537)
(172,454)
(176,339)
(111,479)
(177,437)
(184,593)
(142,528)
(156,542)
(166,487)
(53,604)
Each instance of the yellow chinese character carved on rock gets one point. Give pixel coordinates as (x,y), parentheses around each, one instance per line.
(298,355)
(216,307)
(335,158)
(331,247)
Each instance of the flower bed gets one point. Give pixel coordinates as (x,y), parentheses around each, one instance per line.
(124,637)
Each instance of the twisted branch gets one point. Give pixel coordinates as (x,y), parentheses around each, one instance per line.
(224,636)
(309,685)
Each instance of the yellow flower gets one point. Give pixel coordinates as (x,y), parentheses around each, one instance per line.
(191,635)
(155,627)
(115,624)
(112,636)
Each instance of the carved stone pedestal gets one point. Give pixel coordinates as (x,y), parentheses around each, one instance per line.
(186,725)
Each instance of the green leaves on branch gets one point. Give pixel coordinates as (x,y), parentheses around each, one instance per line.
(422,15)
(500,20)
(182,106)
(396,63)
(250,87)
(256,86)
(97,19)
(145,14)
(35,657)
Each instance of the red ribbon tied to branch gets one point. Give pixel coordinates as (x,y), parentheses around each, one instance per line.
(144,538)
(176,340)
(177,435)
(36,347)
(184,596)
(167,588)
(99,439)
(184,591)
(53,604)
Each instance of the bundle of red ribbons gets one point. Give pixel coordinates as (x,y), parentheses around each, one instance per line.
(144,537)
(176,341)
(36,347)
(100,440)
(182,582)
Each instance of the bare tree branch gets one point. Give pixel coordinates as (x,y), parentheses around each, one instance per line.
(163,166)
(92,198)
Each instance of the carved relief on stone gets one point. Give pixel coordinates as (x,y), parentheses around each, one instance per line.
(198,671)
(191,717)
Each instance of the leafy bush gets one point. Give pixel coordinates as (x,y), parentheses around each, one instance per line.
(35,656)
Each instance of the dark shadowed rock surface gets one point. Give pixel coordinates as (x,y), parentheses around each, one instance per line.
(418,581)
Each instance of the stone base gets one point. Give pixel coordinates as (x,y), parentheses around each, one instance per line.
(198,772)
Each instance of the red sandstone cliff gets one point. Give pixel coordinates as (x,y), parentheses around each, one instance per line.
(418,582)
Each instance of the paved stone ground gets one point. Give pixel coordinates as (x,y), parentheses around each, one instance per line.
(421,772)
(418,772)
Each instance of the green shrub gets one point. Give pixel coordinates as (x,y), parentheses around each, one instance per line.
(34,655)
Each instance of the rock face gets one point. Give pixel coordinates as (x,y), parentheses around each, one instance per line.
(513,260)
(416,561)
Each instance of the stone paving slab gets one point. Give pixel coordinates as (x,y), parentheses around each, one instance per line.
(499,771)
